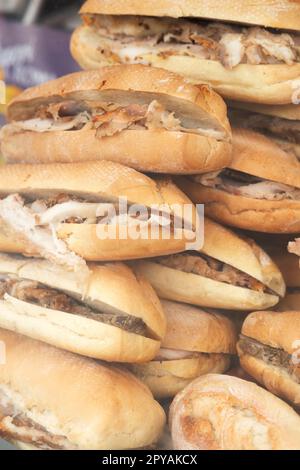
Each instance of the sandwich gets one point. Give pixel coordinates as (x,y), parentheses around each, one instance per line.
(55,400)
(197,342)
(259,191)
(278,123)
(219,412)
(229,272)
(288,263)
(243,62)
(117,318)
(269,351)
(146,118)
(94,211)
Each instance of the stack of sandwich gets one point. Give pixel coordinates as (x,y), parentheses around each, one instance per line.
(127,324)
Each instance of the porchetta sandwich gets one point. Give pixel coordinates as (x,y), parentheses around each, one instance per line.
(269,348)
(279,123)
(242,62)
(146,118)
(69,213)
(219,412)
(197,342)
(259,191)
(229,272)
(118,317)
(55,400)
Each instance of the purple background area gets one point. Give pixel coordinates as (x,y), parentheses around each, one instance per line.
(31,55)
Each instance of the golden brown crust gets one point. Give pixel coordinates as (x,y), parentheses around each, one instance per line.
(94,413)
(246,213)
(288,264)
(84,241)
(272,84)
(242,253)
(277,14)
(151,151)
(77,334)
(127,78)
(193,329)
(102,179)
(112,287)
(167,378)
(277,329)
(219,412)
(172,284)
(105,181)
(255,154)
(275,380)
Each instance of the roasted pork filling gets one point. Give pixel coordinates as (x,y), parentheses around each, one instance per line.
(273,356)
(16,425)
(243,184)
(133,37)
(284,129)
(35,222)
(107,118)
(202,265)
(38,294)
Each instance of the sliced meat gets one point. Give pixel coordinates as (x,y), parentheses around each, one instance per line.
(22,221)
(273,356)
(38,294)
(285,129)
(229,44)
(205,266)
(117,121)
(15,425)
(232,49)
(243,184)
(279,47)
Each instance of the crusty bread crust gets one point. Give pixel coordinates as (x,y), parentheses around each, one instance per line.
(151,151)
(103,181)
(256,155)
(77,334)
(276,14)
(277,329)
(219,412)
(275,380)
(172,284)
(272,84)
(84,240)
(288,111)
(193,329)
(159,151)
(92,409)
(288,264)
(246,213)
(129,79)
(167,378)
(112,288)
(242,253)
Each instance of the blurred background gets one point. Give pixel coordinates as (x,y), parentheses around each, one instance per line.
(34,47)
(34,42)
